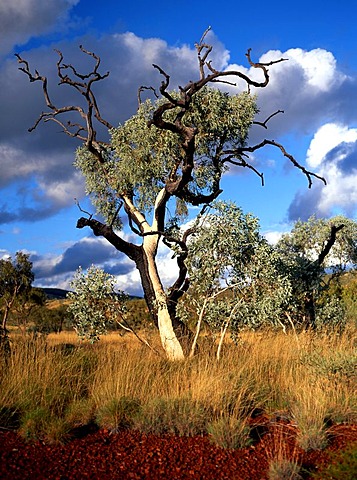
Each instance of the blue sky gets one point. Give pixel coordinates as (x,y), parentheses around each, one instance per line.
(316,88)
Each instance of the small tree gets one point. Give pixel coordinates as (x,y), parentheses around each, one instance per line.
(175,149)
(16,278)
(222,243)
(94,303)
(314,255)
(32,304)
(234,279)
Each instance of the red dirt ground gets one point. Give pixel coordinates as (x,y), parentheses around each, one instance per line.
(132,455)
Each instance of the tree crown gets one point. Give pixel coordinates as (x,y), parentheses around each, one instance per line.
(144,158)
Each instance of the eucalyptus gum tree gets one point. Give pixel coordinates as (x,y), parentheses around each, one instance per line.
(175,148)
(315,255)
(235,282)
(16,278)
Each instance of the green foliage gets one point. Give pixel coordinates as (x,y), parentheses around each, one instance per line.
(343,465)
(178,416)
(230,432)
(33,423)
(117,413)
(238,279)
(266,294)
(47,320)
(16,278)
(138,314)
(39,423)
(349,295)
(80,412)
(312,435)
(338,366)
(307,240)
(314,303)
(94,303)
(143,157)
(233,272)
(26,310)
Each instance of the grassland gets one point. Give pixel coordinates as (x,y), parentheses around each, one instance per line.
(50,385)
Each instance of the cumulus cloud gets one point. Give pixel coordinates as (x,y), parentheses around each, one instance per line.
(318,100)
(309,87)
(41,198)
(84,253)
(58,270)
(329,139)
(22,19)
(45,156)
(333,154)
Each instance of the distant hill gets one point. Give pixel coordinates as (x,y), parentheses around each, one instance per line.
(60,294)
(55,293)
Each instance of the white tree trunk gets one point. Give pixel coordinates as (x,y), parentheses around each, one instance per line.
(169,340)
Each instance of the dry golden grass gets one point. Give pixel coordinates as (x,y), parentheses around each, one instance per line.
(308,377)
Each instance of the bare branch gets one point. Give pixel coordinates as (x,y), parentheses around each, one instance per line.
(262,65)
(124,324)
(101,230)
(306,172)
(182,283)
(132,226)
(115,216)
(81,209)
(164,84)
(264,124)
(141,89)
(238,152)
(208,29)
(245,164)
(34,78)
(83,84)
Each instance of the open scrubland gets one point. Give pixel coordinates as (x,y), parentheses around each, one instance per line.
(274,406)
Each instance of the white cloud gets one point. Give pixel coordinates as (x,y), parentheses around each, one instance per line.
(333,154)
(62,193)
(16,167)
(273,236)
(167,266)
(22,19)
(318,67)
(4,254)
(130,283)
(309,87)
(340,193)
(326,138)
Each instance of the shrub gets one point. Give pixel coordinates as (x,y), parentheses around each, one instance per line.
(178,416)
(230,432)
(33,423)
(284,469)
(343,465)
(117,413)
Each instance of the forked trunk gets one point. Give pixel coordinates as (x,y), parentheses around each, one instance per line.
(4,337)
(175,336)
(170,329)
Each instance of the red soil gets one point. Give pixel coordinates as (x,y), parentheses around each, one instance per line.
(132,455)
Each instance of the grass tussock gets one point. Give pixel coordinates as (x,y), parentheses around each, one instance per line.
(48,387)
(283,457)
